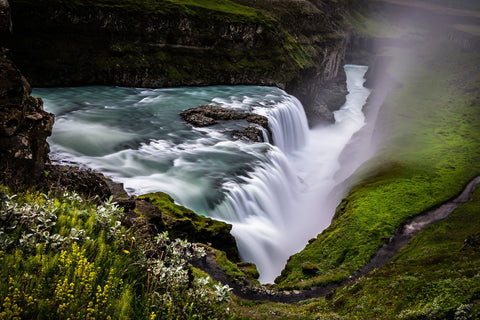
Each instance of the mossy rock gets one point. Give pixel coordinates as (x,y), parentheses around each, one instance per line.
(164,214)
(309,268)
(250,269)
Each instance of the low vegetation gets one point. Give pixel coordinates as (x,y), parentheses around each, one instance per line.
(65,258)
(436,276)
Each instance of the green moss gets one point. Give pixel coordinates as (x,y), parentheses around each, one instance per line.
(250,270)
(431,149)
(222,10)
(436,276)
(183,223)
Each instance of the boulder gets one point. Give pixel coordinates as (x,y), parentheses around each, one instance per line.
(163,214)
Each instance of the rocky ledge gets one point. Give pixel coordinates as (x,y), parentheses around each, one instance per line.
(208,115)
(24,128)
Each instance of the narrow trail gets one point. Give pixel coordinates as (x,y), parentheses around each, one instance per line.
(401,238)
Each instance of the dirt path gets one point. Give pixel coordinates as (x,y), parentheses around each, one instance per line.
(401,237)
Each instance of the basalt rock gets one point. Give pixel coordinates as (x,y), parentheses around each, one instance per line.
(88,183)
(208,115)
(24,128)
(298,46)
(252,134)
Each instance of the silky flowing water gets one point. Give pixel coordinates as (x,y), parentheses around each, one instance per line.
(276,195)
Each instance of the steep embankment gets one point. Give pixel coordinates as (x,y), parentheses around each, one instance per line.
(295,45)
(430,128)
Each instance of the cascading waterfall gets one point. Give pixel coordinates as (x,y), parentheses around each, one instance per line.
(276,197)
(277,209)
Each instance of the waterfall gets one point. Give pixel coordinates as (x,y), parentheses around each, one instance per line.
(288,124)
(276,195)
(287,200)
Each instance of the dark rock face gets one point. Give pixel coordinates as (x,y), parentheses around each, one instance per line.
(298,46)
(251,134)
(5,18)
(208,115)
(24,125)
(136,47)
(89,184)
(24,128)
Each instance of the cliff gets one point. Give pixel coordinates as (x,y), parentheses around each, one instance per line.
(295,45)
(24,125)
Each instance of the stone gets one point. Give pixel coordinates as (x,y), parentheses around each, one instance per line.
(208,115)
(163,214)
(24,128)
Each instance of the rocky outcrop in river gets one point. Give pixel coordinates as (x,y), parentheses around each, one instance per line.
(208,115)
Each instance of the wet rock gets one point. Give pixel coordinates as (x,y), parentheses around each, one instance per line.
(24,128)
(208,115)
(249,134)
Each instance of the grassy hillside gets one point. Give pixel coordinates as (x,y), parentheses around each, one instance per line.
(436,276)
(430,150)
(218,9)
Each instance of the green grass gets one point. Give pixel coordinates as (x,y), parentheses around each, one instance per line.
(436,276)
(431,149)
(223,10)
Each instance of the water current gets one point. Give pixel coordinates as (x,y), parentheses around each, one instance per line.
(276,195)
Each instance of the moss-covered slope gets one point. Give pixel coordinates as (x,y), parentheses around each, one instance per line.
(431,128)
(436,276)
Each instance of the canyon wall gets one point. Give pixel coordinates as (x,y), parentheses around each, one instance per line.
(24,125)
(298,46)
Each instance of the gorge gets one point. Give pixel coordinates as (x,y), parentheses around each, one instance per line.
(422,119)
(270,194)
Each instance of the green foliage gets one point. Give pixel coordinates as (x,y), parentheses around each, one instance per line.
(223,10)
(436,276)
(65,258)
